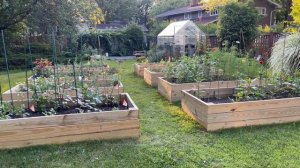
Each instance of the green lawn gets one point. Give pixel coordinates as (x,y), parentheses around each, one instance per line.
(169,139)
(16,77)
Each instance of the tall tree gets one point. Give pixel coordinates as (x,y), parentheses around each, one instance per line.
(143,15)
(123,10)
(64,15)
(237,20)
(14,11)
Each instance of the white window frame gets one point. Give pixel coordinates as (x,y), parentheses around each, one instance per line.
(214,12)
(261,10)
(187,16)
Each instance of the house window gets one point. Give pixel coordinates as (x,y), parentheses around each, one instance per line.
(214,12)
(261,10)
(187,16)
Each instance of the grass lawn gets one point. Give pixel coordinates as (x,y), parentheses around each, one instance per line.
(16,76)
(169,139)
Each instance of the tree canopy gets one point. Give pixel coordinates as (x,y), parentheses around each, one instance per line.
(13,12)
(296,11)
(43,15)
(237,20)
(124,10)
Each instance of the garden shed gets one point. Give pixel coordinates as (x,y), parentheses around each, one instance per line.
(182,36)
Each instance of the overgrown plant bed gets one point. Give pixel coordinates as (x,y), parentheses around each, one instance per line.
(139,67)
(172,91)
(104,87)
(72,125)
(215,111)
(151,76)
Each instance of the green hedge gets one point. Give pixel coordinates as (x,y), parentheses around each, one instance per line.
(118,43)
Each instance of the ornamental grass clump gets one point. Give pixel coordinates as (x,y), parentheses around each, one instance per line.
(285,57)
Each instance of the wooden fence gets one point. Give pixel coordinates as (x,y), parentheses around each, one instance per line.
(262,45)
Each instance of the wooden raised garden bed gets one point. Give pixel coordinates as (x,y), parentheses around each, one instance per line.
(151,77)
(71,127)
(239,114)
(172,91)
(139,68)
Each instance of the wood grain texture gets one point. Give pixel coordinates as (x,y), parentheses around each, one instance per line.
(139,68)
(151,78)
(173,91)
(240,114)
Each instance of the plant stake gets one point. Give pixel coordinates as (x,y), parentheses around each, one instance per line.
(7,70)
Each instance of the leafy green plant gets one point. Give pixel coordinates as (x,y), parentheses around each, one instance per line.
(234,65)
(5,110)
(184,70)
(277,89)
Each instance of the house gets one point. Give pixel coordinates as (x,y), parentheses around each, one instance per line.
(267,9)
(194,12)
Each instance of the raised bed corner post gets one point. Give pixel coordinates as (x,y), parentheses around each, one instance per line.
(7,70)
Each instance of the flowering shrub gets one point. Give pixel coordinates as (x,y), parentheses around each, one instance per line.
(42,67)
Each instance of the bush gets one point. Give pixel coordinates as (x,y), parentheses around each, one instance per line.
(209,29)
(155,55)
(184,70)
(235,17)
(120,43)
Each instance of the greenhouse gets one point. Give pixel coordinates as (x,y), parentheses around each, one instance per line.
(182,36)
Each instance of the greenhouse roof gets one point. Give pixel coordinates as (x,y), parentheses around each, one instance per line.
(173,28)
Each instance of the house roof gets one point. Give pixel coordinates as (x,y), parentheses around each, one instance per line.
(180,11)
(274,3)
(196,8)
